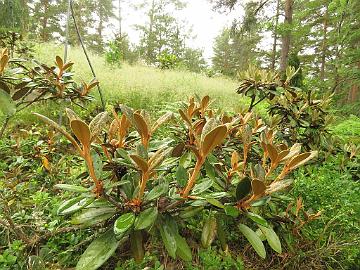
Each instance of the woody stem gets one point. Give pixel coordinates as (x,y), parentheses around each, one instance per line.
(144,179)
(193,177)
(90,164)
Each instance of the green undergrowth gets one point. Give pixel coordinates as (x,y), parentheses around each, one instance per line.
(330,188)
(348,129)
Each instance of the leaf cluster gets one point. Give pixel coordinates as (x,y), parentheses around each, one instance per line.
(145,187)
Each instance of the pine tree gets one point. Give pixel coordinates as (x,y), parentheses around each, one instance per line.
(103,11)
(46,19)
(162,33)
(14,15)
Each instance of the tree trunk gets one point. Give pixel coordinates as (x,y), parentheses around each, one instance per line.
(324,44)
(44,34)
(273,58)
(286,39)
(354,90)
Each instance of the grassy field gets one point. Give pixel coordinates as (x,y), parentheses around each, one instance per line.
(141,86)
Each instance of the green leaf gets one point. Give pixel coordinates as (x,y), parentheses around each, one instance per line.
(190,211)
(97,162)
(36,263)
(243,188)
(157,191)
(183,250)
(215,202)
(221,234)
(98,123)
(209,232)
(185,160)
(7,106)
(210,170)
(254,240)
(136,245)
(258,219)
(181,176)
(101,202)
(168,238)
(92,216)
(71,188)
(146,218)
(231,211)
(73,205)
(201,187)
(124,223)
(98,252)
(68,203)
(261,201)
(272,238)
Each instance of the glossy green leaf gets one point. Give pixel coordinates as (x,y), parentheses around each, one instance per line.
(221,234)
(97,163)
(100,203)
(146,218)
(71,188)
(201,187)
(92,216)
(124,223)
(98,252)
(181,176)
(209,232)
(157,191)
(36,263)
(261,202)
(191,211)
(168,238)
(231,211)
(7,105)
(215,202)
(253,239)
(258,219)
(243,188)
(210,170)
(272,238)
(73,205)
(185,160)
(182,248)
(137,246)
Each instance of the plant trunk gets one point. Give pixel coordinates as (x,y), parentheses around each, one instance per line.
(354,90)
(324,44)
(286,39)
(44,34)
(273,58)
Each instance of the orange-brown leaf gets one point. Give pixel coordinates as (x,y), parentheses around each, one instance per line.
(46,163)
(82,132)
(141,125)
(258,188)
(213,139)
(3,62)
(184,117)
(68,65)
(140,162)
(59,62)
(234,160)
(273,153)
(301,159)
(205,102)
